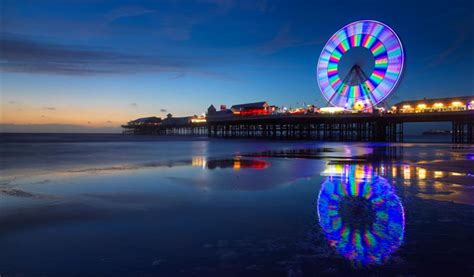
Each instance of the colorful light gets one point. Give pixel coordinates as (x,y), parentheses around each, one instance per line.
(388,54)
(331,110)
(373,241)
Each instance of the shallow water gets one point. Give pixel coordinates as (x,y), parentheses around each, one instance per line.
(113,204)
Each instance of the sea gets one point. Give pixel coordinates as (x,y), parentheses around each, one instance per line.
(122,205)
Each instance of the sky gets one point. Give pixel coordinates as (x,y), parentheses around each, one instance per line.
(84,65)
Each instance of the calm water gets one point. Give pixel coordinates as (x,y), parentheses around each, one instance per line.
(119,205)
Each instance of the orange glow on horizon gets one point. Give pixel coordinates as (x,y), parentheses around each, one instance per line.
(75,115)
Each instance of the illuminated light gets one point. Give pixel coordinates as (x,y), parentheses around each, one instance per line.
(438,174)
(333,169)
(456,104)
(247,112)
(359,105)
(456,174)
(236,164)
(199,161)
(200,119)
(406,172)
(387,50)
(331,110)
(422,184)
(406,106)
(421,173)
(421,106)
(438,185)
(394,107)
(394,171)
(438,105)
(471,105)
(380,236)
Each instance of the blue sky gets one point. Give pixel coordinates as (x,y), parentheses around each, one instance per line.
(100,63)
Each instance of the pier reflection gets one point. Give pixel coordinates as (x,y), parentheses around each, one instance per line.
(360,214)
(235,163)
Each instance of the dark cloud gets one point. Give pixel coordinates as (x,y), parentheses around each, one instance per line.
(18,54)
(49,108)
(12,102)
(163,110)
(134,104)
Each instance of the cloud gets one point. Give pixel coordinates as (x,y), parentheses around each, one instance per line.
(163,110)
(177,76)
(49,108)
(284,39)
(222,5)
(12,102)
(128,11)
(450,53)
(134,104)
(18,54)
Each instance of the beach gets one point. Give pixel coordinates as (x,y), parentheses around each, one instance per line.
(117,205)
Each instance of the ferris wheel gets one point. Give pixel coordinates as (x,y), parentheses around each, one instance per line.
(360,65)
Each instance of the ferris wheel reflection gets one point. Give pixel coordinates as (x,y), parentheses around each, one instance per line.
(360,215)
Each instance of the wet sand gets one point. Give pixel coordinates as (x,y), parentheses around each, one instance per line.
(219,207)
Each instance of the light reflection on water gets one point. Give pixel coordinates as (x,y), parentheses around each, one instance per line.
(235,163)
(249,207)
(360,214)
(427,183)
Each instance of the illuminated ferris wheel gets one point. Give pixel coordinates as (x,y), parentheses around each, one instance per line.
(360,65)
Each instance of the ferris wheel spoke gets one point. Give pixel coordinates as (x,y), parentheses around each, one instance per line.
(357,84)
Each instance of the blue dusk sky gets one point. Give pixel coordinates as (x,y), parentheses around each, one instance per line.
(97,64)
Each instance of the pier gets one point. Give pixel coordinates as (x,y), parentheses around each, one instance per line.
(325,127)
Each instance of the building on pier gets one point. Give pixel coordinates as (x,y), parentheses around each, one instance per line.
(152,120)
(223,114)
(449,104)
(257,108)
(176,121)
(144,125)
